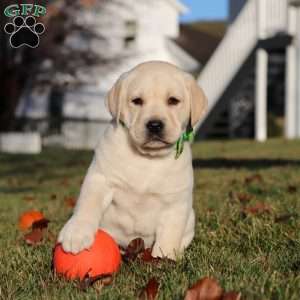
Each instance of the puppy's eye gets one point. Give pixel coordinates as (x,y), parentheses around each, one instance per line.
(173,101)
(137,101)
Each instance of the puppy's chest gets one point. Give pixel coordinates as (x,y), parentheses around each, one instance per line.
(138,175)
(143,182)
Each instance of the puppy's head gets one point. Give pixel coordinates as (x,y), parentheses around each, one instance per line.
(155,101)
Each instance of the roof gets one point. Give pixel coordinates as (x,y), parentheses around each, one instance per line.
(200,39)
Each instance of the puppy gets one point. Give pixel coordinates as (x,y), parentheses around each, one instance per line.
(134,186)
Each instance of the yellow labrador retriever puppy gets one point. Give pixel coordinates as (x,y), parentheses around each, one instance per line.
(135,187)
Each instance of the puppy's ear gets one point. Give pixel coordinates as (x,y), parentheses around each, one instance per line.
(198,100)
(116,97)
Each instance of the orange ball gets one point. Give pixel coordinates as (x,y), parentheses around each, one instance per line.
(29,217)
(102,258)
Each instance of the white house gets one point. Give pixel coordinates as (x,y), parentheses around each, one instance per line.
(262,41)
(135,31)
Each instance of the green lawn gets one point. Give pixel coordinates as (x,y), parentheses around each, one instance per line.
(256,254)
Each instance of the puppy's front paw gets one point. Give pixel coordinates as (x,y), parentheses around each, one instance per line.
(159,251)
(77,235)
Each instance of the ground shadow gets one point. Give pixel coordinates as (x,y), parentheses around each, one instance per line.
(219,163)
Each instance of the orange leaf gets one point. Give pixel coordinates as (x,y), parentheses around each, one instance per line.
(28,217)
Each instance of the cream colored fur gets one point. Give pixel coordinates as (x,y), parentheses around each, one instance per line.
(134,187)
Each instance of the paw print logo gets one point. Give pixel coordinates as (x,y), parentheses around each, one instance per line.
(24,31)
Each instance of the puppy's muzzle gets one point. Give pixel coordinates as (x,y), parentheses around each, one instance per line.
(155,127)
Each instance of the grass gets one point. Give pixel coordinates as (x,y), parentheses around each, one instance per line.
(252,254)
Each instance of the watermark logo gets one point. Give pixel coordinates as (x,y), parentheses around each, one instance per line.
(24,30)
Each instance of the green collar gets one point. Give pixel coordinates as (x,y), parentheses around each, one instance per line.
(187,136)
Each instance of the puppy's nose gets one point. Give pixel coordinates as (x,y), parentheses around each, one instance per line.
(155,126)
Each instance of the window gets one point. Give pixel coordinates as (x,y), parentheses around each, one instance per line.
(130,33)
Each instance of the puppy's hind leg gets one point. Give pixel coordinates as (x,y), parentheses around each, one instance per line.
(189,232)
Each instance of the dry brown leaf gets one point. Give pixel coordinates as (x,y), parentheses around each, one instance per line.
(96,281)
(252,178)
(205,289)
(37,233)
(70,201)
(243,197)
(40,224)
(146,256)
(150,291)
(65,182)
(134,248)
(258,208)
(28,198)
(34,237)
(285,217)
(232,296)
(292,189)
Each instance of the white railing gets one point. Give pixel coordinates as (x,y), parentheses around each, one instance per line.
(239,41)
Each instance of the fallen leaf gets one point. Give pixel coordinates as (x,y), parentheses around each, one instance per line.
(292,189)
(285,217)
(243,197)
(150,291)
(252,178)
(40,224)
(205,289)
(28,218)
(99,284)
(231,296)
(258,208)
(70,201)
(37,233)
(96,281)
(28,198)
(34,237)
(65,182)
(146,255)
(135,247)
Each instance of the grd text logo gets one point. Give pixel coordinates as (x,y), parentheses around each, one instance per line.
(24,30)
